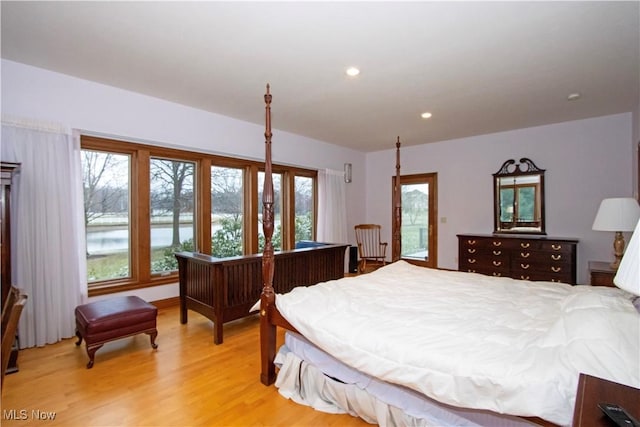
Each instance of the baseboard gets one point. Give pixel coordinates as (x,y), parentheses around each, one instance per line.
(167,302)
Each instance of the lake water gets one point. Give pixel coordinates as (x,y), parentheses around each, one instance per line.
(117,240)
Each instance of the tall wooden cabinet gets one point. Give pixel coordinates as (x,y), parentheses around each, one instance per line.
(9,170)
(519,256)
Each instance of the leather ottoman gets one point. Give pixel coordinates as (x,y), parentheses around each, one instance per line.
(110,319)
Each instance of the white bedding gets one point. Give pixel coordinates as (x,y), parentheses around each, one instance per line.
(473,341)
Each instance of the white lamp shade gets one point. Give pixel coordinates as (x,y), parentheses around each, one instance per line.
(628,274)
(617,214)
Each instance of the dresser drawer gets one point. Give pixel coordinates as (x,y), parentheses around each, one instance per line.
(519,266)
(485,263)
(488,243)
(539,276)
(558,247)
(541,257)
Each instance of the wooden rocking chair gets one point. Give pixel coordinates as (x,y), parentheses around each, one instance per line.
(371,250)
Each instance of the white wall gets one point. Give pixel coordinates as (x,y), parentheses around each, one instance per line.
(29,92)
(585,161)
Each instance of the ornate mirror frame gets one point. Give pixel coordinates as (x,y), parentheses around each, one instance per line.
(518,198)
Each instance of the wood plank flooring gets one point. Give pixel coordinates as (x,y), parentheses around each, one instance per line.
(187,381)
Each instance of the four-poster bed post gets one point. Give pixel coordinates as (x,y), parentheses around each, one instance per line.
(397,209)
(267,332)
(270,318)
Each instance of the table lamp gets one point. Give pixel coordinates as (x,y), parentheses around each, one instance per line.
(618,215)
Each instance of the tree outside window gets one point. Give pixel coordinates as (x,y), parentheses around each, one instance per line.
(172,212)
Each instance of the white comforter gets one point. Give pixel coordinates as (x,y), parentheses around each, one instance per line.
(474,341)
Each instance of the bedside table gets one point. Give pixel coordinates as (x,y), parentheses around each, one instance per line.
(601,273)
(593,390)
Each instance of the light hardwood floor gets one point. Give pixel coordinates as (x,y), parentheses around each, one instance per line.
(187,381)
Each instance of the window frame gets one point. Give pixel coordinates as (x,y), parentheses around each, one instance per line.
(140,231)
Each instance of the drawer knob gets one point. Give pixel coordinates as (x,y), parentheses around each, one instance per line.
(524,277)
(497,263)
(556,257)
(525,254)
(471,250)
(471,242)
(497,274)
(497,243)
(525,245)
(556,269)
(471,261)
(497,252)
(525,266)
(556,247)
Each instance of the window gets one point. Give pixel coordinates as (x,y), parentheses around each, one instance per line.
(518,203)
(106,182)
(418,229)
(143,203)
(304,208)
(227,211)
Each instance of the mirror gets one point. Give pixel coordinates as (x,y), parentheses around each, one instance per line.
(518,198)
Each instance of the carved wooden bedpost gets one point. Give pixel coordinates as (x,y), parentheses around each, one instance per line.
(397,209)
(267,298)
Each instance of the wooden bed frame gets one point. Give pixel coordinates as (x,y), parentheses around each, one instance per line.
(270,317)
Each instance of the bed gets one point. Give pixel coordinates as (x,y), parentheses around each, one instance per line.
(467,349)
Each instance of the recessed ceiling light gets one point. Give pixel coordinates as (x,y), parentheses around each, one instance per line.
(573,96)
(426,115)
(352,71)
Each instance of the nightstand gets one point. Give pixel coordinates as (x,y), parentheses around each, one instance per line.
(601,273)
(593,390)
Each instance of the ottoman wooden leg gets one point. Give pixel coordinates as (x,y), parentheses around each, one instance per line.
(79,335)
(152,336)
(91,352)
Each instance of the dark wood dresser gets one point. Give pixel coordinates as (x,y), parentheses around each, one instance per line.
(8,172)
(527,257)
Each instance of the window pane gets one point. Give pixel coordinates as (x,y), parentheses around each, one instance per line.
(304,208)
(526,204)
(106,213)
(415,221)
(506,204)
(226,211)
(172,207)
(276,239)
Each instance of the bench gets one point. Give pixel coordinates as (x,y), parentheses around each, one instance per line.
(110,319)
(225,289)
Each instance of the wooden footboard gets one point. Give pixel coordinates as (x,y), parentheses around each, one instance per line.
(224,289)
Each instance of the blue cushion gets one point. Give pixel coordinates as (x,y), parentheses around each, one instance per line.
(308,244)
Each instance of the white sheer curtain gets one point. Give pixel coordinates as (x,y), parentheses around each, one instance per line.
(48,245)
(332,207)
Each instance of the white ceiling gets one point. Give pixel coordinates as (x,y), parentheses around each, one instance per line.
(479,67)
